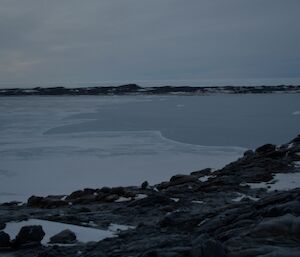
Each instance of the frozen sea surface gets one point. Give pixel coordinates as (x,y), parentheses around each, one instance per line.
(55,145)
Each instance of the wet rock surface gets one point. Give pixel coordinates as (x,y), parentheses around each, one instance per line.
(206,213)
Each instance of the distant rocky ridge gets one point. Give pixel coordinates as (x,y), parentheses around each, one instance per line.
(249,208)
(130,89)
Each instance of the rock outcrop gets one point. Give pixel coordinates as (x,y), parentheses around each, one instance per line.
(230,212)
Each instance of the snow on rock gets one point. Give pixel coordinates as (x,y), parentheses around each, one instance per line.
(205,178)
(197,202)
(123,199)
(240,197)
(281,181)
(140,196)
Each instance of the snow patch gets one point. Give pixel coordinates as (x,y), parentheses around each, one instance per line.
(140,196)
(281,181)
(123,199)
(84,234)
(204,178)
(241,196)
(198,202)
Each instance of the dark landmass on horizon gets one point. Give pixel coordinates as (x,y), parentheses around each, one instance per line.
(134,89)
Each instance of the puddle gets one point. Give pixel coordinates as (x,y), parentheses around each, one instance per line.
(84,234)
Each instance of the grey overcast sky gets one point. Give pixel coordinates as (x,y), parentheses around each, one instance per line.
(45,41)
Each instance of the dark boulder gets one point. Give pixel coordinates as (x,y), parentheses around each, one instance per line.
(248,153)
(34,201)
(144,185)
(64,237)
(105,190)
(29,234)
(77,194)
(2,225)
(177,180)
(45,202)
(4,240)
(118,190)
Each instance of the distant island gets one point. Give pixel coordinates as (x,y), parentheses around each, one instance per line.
(133,89)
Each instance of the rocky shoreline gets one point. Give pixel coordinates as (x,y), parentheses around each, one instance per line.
(251,207)
(133,89)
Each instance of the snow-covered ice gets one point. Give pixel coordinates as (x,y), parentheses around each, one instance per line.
(67,143)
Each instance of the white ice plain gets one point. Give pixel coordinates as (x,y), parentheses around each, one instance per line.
(35,163)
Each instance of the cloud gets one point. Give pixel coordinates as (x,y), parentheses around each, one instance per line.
(126,40)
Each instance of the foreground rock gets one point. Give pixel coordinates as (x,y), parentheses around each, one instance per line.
(4,240)
(29,235)
(205,213)
(64,237)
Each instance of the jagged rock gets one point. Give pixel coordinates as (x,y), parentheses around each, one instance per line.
(177,180)
(248,153)
(118,190)
(64,237)
(89,190)
(200,173)
(105,190)
(34,201)
(152,201)
(77,194)
(29,234)
(144,185)
(86,199)
(265,149)
(45,202)
(4,240)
